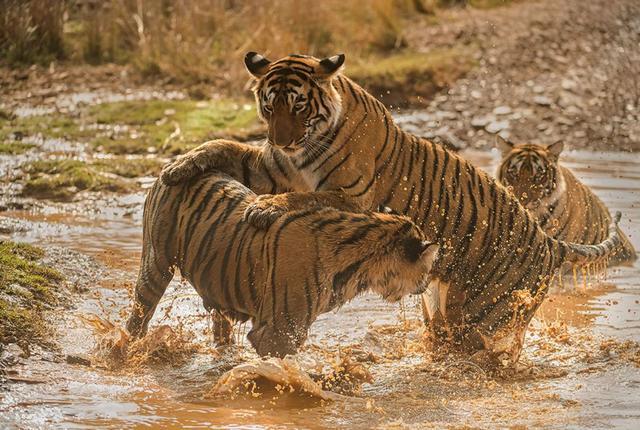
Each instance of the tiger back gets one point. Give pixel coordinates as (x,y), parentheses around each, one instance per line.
(564,207)
(281,279)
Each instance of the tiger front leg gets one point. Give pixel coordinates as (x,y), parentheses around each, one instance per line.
(244,163)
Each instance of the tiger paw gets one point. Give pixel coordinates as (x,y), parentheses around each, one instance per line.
(264,211)
(180,170)
(191,164)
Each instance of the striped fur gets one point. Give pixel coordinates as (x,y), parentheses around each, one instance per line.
(307,263)
(564,207)
(354,157)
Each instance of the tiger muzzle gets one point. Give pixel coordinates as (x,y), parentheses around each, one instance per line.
(285,128)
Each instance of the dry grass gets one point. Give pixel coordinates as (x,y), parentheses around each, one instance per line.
(199,40)
(31,31)
(204,40)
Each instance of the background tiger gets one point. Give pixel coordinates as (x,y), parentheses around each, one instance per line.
(305,264)
(330,143)
(563,206)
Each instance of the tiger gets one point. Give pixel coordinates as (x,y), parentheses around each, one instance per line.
(307,263)
(564,207)
(330,143)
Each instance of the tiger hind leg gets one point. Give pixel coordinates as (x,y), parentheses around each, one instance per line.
(222,328)
(153,279)
(268,341)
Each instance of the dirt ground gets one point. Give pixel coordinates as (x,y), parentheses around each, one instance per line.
(547,71)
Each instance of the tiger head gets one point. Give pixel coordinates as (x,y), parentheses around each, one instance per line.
(402,259)
(296,98)
(529,171)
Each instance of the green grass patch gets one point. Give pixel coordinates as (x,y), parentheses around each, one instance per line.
(139,127)
(171,126)
(14,148)
(26,289)
(404,66)
(54,126)
(129,167)
(62,179)
(403,78)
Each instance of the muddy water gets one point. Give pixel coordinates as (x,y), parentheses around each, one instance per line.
(570,377)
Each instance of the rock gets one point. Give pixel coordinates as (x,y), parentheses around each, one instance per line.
(542,126)
(580,134)
(564,120)
(496,126)
(482,121)
(538,89)
(417,117)
(505,134)
(446,115)
(567,99)
(572,110)
(502,110)
(568,84)
(542,100)
(11,355)
(561,59)
(476,94)
(460,107)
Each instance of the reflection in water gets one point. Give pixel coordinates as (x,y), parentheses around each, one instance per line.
(570,377)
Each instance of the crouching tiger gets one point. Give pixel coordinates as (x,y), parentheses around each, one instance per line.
(564,207)
(307,263)
(330,143)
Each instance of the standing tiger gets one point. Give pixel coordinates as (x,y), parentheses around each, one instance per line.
(563,206)
(330,143)
(307,263)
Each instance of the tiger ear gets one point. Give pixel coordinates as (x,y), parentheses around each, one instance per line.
(556,148)
(416,248)
(256,64)
(503,145)
(330,66)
